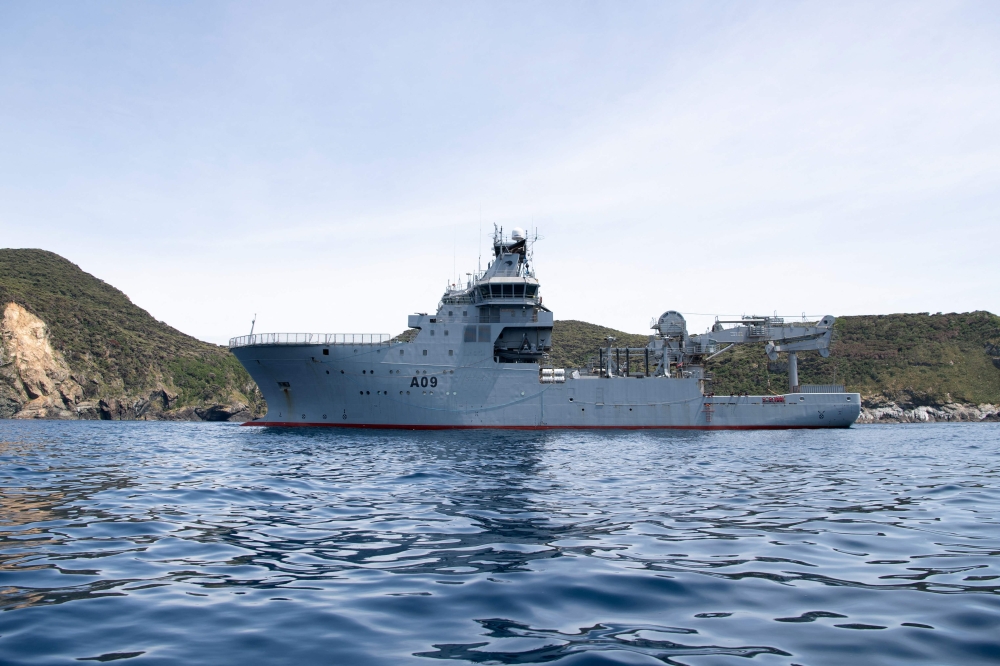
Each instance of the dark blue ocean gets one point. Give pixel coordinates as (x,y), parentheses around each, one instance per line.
(162,543)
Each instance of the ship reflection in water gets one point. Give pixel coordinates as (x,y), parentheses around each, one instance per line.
(211,543)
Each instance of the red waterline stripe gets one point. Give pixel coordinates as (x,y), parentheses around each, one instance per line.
(373,426)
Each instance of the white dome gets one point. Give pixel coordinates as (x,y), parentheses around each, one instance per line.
(517,233)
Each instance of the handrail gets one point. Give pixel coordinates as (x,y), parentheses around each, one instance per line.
(258,339)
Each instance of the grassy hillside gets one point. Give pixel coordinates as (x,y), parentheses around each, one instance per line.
(117,351)
(918,359)
(574,342)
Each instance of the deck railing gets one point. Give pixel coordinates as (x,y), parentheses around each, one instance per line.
(310,339)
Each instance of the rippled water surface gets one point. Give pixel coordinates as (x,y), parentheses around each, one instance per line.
(212,543)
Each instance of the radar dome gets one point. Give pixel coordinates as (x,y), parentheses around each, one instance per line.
(671,324)
(517,234)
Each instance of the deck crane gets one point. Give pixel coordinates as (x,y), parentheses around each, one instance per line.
(679,354)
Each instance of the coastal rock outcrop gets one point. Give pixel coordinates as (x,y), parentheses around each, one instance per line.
(40,384)
(891,412)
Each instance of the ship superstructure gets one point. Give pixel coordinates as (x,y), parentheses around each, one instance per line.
(480,361)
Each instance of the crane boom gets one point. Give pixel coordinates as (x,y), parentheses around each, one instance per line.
(683,354)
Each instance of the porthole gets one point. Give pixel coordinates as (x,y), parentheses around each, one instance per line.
(341,372)
(571,399)
(407,393)
(362,392)
(327,372)
(368,392)
(363,371)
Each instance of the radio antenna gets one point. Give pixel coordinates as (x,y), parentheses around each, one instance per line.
(252,323)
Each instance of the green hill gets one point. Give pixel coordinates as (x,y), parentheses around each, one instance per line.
(109,358)
(574,342)
(911,359)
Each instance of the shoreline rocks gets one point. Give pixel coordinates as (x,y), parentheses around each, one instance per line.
(951,412)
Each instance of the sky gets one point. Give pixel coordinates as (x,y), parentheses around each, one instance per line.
(330,167)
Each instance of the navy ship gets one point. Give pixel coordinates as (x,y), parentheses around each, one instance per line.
(481,361)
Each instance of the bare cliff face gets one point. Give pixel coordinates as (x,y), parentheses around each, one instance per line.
(39,376)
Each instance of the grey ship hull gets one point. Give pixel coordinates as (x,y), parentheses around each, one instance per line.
(395,386)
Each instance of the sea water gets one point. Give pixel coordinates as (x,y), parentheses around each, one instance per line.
(180,543)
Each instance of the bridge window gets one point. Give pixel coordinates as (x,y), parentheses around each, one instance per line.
(518,290)
(496,290)
(530,289)
(326,352)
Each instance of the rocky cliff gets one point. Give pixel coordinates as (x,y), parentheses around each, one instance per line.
(74,347)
